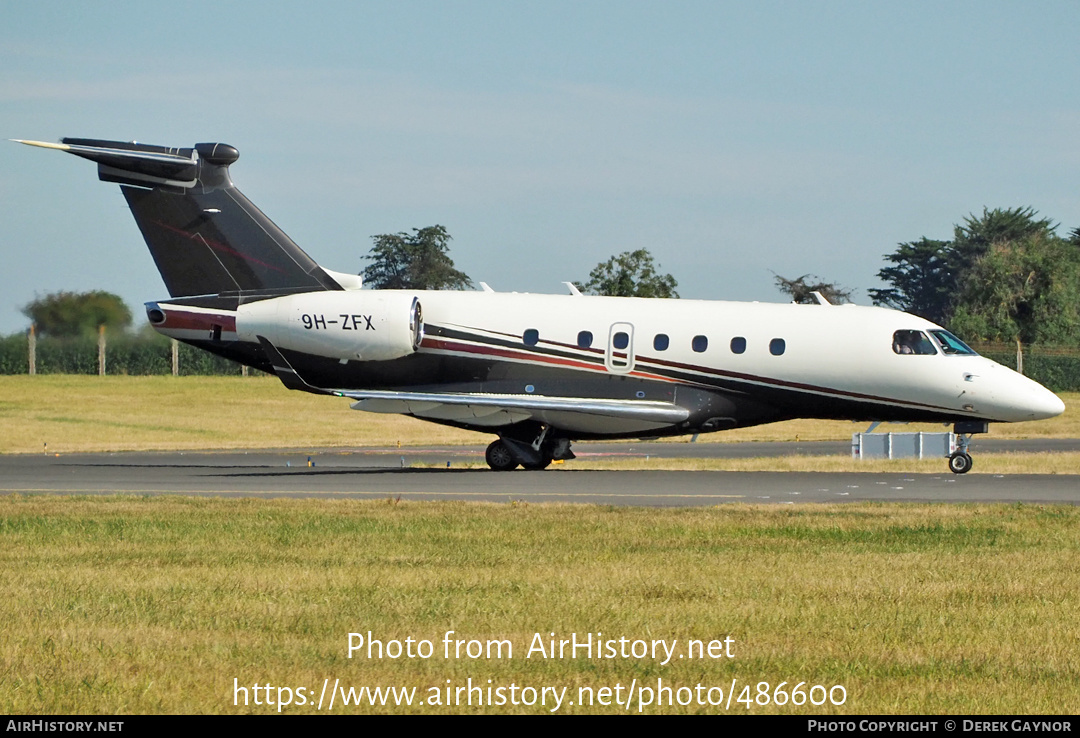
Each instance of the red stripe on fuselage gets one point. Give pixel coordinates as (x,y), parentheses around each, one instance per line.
(184,320)
(527,357)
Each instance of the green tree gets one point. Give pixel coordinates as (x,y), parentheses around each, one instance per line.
(416,261)
(1026,288)
(630,274)
(922,278)
(802,291)
(1000,225)
(68,314)
(970,284)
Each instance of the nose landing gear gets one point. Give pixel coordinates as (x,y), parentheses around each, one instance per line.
(960,461)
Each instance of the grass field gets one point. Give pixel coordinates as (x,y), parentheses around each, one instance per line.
(82,413)
(125,605)
(122,605)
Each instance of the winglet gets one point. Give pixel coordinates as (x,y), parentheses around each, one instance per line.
(573,289)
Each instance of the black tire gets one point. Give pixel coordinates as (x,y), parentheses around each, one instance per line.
(960,463)
(537,467)
(499,458)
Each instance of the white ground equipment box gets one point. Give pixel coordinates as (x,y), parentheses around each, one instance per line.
(903,445)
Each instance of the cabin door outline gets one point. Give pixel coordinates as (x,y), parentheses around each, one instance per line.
(620,359)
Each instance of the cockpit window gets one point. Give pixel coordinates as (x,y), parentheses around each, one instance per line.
(912,342)
(951,345)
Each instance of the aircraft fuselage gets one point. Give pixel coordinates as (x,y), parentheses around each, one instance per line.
(729,364)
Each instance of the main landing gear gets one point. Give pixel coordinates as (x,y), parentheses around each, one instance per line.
(499,458)
(508,453)
(960,461)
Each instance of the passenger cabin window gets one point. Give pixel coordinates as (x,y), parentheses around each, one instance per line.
(620,340)
(699,344)
(738,345)
(584,339)
(777,346)
(531,337)
(913,342)
(951,345)
(660,342)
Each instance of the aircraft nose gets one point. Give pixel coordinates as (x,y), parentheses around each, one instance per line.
(1026,399)
(1003,394)
(1044,403)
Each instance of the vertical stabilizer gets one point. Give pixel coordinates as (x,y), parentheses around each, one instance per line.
(205,236)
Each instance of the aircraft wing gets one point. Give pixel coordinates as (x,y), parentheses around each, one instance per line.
(495,410)
(583,414)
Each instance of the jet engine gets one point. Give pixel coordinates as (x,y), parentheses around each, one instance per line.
(374,325)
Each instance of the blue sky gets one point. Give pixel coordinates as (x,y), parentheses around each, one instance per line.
(732,140)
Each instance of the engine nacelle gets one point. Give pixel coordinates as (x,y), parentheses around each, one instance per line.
(374,325)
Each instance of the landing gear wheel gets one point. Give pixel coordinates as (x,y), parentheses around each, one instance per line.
(499,458)
(960,463)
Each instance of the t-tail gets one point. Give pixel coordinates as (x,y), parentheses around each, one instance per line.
(231,273)
(204,235)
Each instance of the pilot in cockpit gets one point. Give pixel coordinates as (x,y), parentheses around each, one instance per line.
(912,342)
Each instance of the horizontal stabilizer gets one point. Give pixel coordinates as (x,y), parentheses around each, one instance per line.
(133,163)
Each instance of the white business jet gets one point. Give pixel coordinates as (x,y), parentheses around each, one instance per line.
(539,371)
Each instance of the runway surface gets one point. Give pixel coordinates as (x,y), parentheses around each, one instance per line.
(390,472)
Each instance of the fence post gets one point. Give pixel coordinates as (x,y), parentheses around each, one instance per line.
(1019,358)
(101,350)
(32,341)
(175,357)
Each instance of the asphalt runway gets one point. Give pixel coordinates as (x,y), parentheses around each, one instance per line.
(391,472)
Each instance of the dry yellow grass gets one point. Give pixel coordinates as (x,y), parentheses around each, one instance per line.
(123,605)
(85,414)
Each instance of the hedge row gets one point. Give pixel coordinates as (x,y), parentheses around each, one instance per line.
(125,354)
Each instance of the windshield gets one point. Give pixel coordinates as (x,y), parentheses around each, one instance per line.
(952,345)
